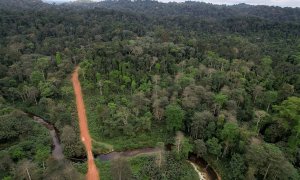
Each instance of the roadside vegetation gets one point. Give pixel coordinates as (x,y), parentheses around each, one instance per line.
(222,82)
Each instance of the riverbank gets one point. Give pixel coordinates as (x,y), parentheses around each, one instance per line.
(57,151)
(204,171)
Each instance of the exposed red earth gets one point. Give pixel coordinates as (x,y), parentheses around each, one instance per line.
(92,173)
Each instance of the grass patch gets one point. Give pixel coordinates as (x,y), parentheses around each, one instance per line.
(148,139)
(101,147)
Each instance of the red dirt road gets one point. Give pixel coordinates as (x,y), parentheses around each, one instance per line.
(92,173)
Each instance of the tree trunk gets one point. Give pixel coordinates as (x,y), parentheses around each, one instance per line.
(257,130)
(265,176)
(268,107)
(160,159)
(225,150)
(28,174)
(254,100)
(178,148)
(35,100)
(120,176)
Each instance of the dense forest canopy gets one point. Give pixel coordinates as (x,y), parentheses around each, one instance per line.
(221,82)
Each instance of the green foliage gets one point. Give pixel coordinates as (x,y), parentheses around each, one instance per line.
(58,58)
(42,153)
(289,113)
(7,178)
(120,169)
(70,140)
(230,132)
(270,97)
(269,161)
(209,75)
(213,146)
(200,148)
(183,147)
(17,153)
(237,167)
(174,117)
(220,99)
(173,169)
(36,77)
(13,124)
(46,89)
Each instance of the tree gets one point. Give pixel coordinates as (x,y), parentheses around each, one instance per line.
(150,169)
(286,91)
(32,94)
(6,162)
(237,167)
(213,146)
(144,123)
(257,92)
(219,79)
(183,146)
(58,58)
(200,148)
(66,91)
(269,98)
(43,64)
(219,100)
(42,153)
(269,162)
(259,116)
(47,89)
(229,134)
(140,102)
(159,100)
(190,98)
(124,114)
(160,158)
(174,117)
(13,124)
(289,112)
(120,170)
(71,143)
(87,70)
(199,123)
(36,77)
(61,169)
(26,169)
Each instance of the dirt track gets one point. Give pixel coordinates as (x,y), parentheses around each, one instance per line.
(92,173)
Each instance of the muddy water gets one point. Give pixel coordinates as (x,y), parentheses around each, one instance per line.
(202,168)
(57,152)
(202,175)
(204,171)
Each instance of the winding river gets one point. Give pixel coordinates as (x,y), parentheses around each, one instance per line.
(204,171)
(57,151)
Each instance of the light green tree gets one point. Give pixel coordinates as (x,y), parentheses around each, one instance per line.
(174,117)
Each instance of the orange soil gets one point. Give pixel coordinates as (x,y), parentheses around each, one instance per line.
(92,173)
